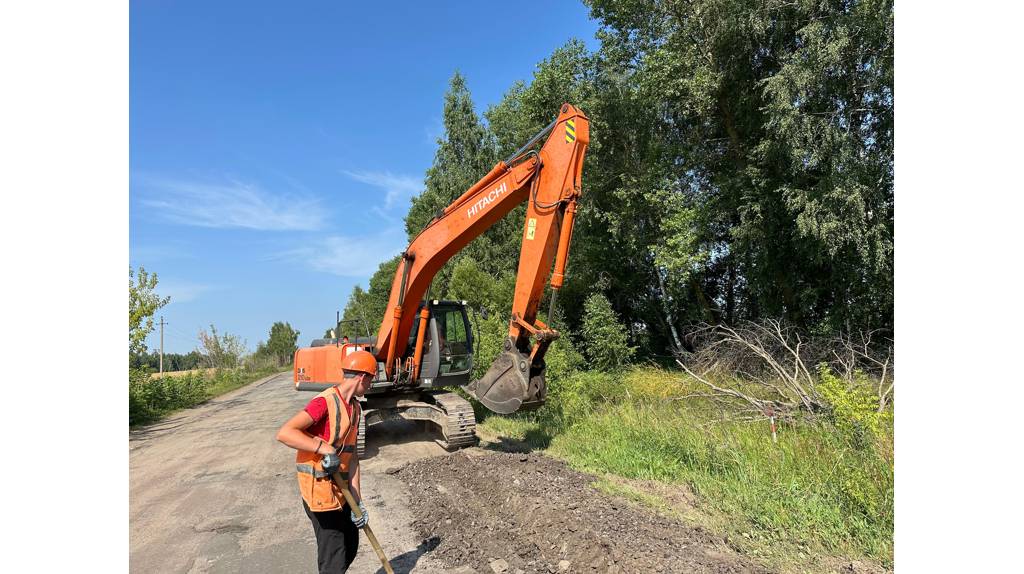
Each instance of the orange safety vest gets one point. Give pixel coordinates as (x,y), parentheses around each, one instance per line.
(317,489)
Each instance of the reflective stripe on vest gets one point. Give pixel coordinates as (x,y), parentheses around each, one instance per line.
(308,469)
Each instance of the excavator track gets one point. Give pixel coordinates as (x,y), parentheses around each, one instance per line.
(361,437)
(459,429)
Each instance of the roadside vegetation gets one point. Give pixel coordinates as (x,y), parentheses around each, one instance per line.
(151,398)
(219,364)
(823,491)
(695,438)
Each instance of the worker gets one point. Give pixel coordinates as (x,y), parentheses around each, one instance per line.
(329,425)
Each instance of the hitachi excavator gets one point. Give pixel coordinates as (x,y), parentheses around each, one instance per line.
(423,346)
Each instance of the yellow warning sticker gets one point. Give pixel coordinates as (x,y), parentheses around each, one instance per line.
(570,131)
(531,228)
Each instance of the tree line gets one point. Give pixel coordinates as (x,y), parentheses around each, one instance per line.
(740,168)
(214,350)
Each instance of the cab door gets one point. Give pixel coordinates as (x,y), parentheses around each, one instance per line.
(448,357)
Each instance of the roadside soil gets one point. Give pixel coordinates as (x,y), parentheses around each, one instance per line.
(508,512)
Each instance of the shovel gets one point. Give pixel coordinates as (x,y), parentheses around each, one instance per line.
(366,528)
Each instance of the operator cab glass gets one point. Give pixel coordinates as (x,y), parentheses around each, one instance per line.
(448,344)
(453,339)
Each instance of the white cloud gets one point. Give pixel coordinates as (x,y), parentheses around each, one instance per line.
(350,256)
(144,254)
(232,204)
(397,188)
(181,291)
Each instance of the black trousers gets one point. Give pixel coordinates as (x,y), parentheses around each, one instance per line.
(337,539)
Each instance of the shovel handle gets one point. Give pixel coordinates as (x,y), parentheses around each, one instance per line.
(366,528)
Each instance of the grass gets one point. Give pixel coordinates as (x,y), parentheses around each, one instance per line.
(815,495)
(151,398)
(181,373)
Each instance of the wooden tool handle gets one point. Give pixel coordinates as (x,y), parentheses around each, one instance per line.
(366,528)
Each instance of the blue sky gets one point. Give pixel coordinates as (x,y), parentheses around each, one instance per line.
(275,146)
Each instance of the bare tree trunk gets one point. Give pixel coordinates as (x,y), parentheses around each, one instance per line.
(730,294)
(677,346)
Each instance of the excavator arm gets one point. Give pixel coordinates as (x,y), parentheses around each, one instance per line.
(549,180)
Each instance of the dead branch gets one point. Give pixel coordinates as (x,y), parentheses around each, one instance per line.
(769,366)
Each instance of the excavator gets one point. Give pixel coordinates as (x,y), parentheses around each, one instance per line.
(425,346)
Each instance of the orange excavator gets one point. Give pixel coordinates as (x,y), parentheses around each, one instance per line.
(423,346)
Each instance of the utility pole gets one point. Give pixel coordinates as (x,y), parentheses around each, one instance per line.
(162,344)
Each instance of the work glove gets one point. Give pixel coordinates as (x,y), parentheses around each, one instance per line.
(331,463)
(360,522)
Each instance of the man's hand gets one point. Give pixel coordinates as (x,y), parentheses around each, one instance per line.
(331,463)
(360,522)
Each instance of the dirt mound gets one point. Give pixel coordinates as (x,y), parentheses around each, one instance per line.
(501,512)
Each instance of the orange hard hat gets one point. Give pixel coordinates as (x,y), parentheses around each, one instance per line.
(360,362)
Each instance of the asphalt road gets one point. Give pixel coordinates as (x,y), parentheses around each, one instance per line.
(213,491)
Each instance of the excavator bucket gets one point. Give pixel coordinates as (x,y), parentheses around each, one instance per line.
(510,384)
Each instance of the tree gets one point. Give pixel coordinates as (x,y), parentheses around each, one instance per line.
(282,342)
(221,351)
(365,308)
(480,289)
(464,155)
(143,303)
(777,123)
(605,341)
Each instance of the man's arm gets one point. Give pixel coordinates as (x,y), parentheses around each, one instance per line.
(293,433)
(357,490)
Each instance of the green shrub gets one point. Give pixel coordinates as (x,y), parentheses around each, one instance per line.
(581,392)
(605,341)
(140,399)
(150,398)
(853,405)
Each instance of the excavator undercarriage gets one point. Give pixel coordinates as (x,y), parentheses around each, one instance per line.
(445,412)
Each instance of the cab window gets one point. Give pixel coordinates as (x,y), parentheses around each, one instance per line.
(454,342)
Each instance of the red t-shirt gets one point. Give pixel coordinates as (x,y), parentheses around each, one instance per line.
(317,409)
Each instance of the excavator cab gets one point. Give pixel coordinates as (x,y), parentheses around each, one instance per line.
(447,346)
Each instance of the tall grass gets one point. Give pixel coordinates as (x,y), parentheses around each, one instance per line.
(820,487)
(151,398)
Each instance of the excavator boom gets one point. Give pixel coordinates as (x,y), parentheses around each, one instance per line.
(549,180)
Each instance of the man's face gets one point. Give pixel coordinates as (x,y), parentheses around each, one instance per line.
(363,384)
